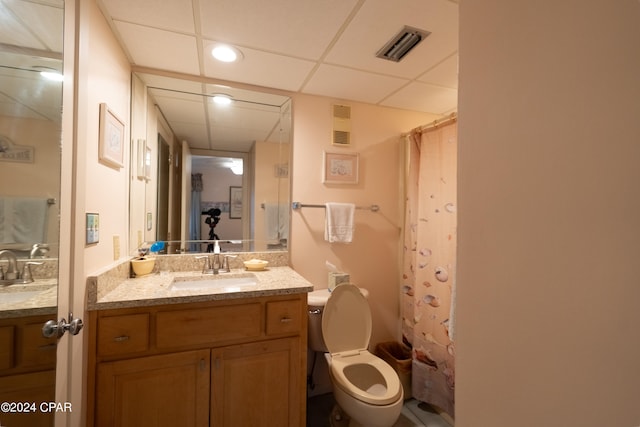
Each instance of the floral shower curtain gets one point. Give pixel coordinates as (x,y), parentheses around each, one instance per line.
(428,299)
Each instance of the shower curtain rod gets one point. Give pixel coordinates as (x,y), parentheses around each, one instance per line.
(434,124)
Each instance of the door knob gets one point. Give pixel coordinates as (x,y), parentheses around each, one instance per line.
(52,328)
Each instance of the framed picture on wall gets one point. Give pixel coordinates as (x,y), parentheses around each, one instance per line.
(111,139)
(235,202)
(340,168)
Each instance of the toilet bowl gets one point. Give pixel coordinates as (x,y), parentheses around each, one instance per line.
(364,386)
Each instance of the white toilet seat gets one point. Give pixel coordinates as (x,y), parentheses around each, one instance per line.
(346,328)
(367,378)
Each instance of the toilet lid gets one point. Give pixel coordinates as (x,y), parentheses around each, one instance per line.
(346,320)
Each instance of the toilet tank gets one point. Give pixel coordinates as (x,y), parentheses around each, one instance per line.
(316,301)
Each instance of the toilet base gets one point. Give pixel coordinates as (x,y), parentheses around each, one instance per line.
(339,418)
(383,416)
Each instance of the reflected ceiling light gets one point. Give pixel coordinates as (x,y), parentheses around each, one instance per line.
(49,73)
(236,166)
(52,75)
(222,99)
(226,53)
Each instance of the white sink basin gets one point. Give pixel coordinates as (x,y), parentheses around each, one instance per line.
(225,283)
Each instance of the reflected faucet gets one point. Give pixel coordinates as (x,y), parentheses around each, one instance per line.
(12,270)
(39,250)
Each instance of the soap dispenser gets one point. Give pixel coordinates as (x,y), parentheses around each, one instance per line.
(216,264)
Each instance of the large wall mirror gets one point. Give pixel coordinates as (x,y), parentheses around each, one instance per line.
(210,161)
(31,37)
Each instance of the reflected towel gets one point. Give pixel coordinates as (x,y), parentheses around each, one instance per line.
(339,224)
(23,219)
(276,221)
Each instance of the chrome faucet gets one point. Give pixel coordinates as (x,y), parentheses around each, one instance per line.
(12,269)
(27,275)
(225,263)
(210,266)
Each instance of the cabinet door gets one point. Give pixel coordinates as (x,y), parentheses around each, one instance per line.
(256,385)
(167,390)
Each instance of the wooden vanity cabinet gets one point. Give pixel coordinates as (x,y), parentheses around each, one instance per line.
(27,369)
(232,363)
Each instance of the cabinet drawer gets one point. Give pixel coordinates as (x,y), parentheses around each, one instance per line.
(207,325)
(123,334)
(283,317)
(36,349)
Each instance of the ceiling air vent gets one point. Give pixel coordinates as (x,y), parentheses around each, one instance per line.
(402,43)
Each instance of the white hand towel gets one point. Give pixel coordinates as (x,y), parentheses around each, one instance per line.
(339,222)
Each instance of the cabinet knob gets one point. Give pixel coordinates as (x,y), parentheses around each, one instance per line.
(286,319)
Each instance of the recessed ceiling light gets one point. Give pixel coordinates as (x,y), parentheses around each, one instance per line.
(226,53)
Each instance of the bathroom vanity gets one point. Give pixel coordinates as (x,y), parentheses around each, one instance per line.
(27,359)
(209,356)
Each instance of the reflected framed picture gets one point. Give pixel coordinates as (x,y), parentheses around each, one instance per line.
(340,168)
(111,139)
(281,170)
(140,157)
(235,202)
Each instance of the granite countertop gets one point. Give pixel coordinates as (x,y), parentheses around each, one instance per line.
(39,297)
(155,289)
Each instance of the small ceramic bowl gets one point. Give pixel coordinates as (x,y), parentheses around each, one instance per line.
(142,266)
(256,264)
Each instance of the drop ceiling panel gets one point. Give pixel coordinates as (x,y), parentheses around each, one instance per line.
(160,49)
(259,68)
(195,135)
(303,29)
(175,15)
(444,74)
(44,21)
(377,22)
(424,97)
(179,107)
(357,85)
(13,32)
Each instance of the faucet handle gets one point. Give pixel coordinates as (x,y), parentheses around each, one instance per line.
(27,275)
(206,268)
(225,262)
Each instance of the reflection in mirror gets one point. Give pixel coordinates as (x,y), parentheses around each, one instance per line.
(232,158)
(30,138)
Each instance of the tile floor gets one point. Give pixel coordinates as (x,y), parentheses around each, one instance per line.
(321,412)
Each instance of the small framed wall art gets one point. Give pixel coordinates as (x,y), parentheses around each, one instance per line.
(111,139)
(93,228)
(340,168)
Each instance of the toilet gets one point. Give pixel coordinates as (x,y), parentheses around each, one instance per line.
(364,386)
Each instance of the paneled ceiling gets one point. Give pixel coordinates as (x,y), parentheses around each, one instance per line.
(319,47)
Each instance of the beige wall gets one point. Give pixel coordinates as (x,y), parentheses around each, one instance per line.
(372,258)
(548,269)
(107,74)
(102,74)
